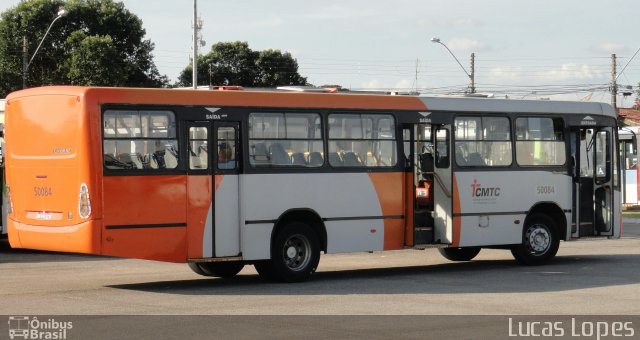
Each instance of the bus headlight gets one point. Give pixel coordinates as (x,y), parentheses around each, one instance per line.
(84,203)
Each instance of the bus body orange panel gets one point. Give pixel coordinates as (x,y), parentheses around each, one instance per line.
(199,203)
(218,180)
(145,217)
(49,174)
(389,188)
(457,219)
(408,202)
(45,177)
(80,238)
(255,98)
(51,198)
(159,244)
(97,96)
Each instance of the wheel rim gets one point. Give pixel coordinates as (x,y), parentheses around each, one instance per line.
(296,252)
(538,239)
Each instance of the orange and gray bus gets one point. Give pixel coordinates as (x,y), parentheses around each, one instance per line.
(222,179)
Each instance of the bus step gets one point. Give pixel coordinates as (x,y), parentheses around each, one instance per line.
(423,218)
(423,235)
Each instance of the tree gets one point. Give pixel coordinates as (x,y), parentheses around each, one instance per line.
(234,63)
(99,42)
(275,68)
(94,61)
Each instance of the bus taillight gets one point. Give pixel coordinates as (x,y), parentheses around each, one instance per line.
(84,204)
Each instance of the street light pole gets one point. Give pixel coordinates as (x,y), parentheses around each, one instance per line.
(25,65)
(472,86)
(194,75)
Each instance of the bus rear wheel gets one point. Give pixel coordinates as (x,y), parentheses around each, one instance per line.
(217,269)
(295,254)
(540,241)
(459,254)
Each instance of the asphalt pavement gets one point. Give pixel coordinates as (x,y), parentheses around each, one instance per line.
(595,276)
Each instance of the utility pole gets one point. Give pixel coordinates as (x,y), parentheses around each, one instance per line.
(614,86)
(195,45)
(25,61)
(415,81)
(472,76)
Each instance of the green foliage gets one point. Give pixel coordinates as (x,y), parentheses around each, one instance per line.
(275,68)
(234,63)
(99,42)
(93,61)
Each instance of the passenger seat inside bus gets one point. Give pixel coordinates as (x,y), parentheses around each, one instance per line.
(475,159)
(371,160)
(315,159)
(335,159)
(259,154)
(298,159)
(278,155)
(132,160)
(351,159)
(170,158)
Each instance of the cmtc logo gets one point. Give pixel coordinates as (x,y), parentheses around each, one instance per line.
(477,191)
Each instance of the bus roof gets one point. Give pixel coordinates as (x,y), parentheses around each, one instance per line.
(348,100)
(516,106)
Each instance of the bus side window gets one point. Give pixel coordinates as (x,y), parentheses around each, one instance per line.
(227,148)
(442,148)
(198,154)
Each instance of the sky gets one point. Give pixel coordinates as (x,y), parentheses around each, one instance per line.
(557,49)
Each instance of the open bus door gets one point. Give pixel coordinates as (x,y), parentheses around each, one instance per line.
(430,183)
(420,182)
(627,143)
(596,182)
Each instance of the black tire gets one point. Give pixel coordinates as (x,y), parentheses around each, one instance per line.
(196,268)
(459,254)
(540,241)
(217,269)
(295,254)
(265,270)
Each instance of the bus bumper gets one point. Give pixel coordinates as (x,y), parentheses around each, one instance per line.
(80,238)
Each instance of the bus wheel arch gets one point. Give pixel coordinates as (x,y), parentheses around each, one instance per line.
(540,240)
(553,211)
(306,216)
(297,239)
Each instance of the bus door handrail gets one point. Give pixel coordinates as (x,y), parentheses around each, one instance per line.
(441,184)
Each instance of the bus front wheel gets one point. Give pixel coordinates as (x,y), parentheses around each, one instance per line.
(217,269)
(540,241)
(295,254)
(459,254)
